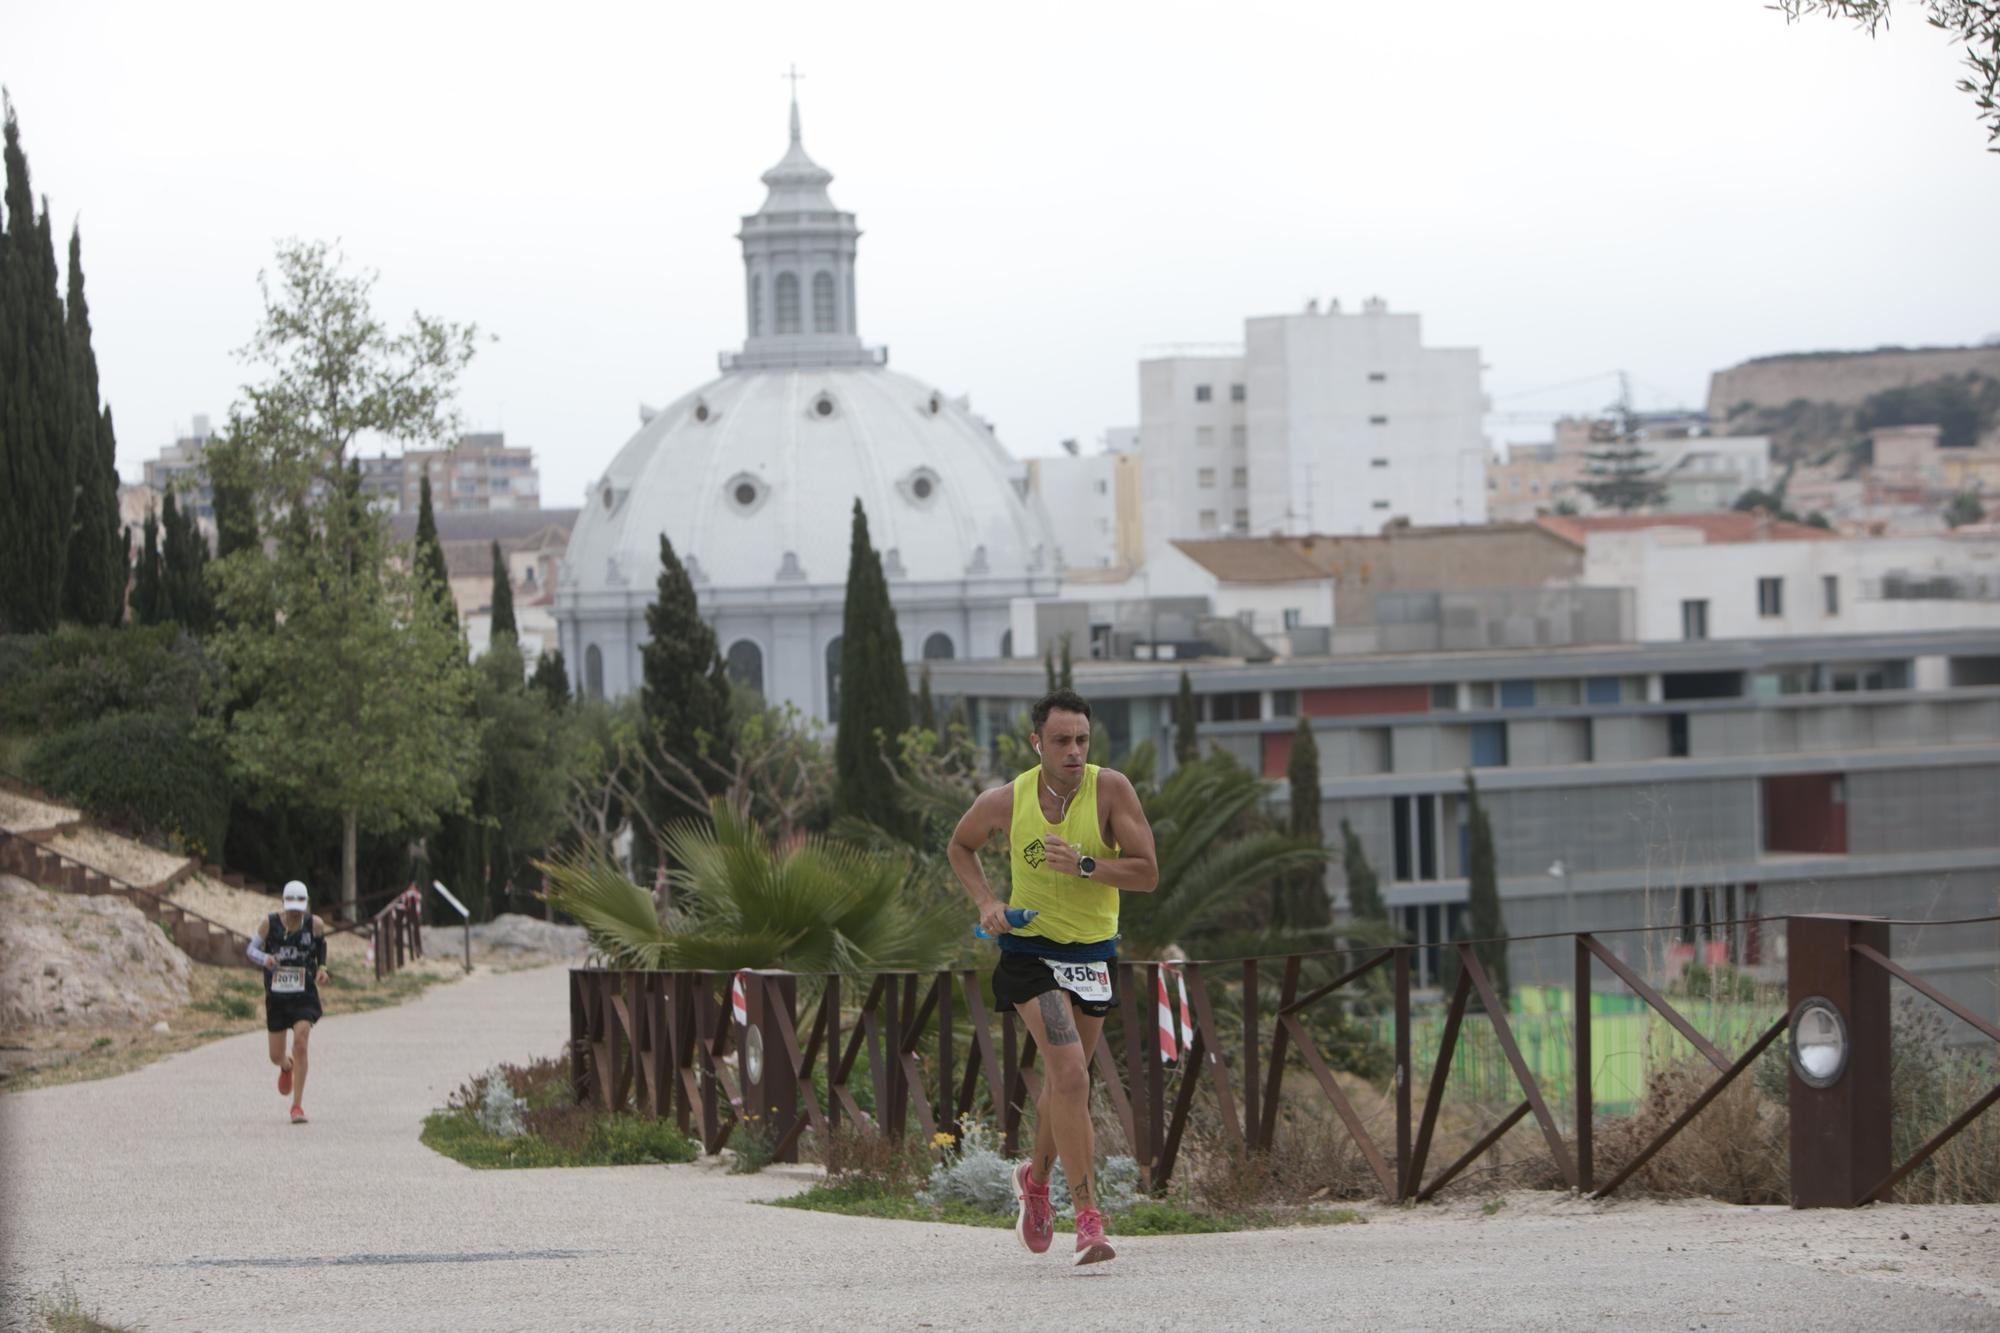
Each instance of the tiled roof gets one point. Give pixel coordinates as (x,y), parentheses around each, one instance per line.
(1251,559)
(1721,529)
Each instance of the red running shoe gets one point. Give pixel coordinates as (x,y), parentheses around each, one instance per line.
(284,1082)
(1091,1247)
(299,1118)
(1036,1224)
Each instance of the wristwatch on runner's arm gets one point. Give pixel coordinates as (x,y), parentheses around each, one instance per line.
(1086,866)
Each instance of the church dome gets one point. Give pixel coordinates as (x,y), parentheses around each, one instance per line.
(753,477)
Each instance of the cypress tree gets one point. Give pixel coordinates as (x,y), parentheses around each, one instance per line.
(1186,747)
(37,445)
(146,601)
(1064,680)
(92,591)
(552,678)
(503,598)
(926,708)
(1364,891)
(1484,892)
(874,694)
(1049,666)
(684,694)
(430,552)
(1307,907)
(235,501)
(184,593)
(124,575)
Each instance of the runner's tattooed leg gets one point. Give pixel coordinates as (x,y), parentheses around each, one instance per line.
(1055,1015)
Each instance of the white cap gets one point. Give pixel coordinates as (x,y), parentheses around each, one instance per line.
(295,895)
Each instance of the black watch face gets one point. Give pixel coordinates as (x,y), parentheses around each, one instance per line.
(1088,865)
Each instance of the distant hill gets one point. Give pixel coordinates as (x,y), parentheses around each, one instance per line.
(1807,401)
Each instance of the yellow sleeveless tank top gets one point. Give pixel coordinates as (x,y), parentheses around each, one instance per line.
(1073,910)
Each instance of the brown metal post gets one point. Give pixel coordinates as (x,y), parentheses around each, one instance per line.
(947,1110)
(831,1002)
(1408,1186)
(778,1095)
(1580,1061)
(1840,1134)
(1252,1122)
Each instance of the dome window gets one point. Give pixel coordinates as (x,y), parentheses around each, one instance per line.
(823,405)
(937,405)
(746,492)
(702,412)
(920,487)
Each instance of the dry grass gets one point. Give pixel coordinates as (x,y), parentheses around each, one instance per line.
(223,1002)
(1735,1151)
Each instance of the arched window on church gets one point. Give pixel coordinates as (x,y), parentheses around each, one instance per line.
(746,664)
(833,679)
(938,647)
(788,302)
(756,305)
(593,672)
(823,302)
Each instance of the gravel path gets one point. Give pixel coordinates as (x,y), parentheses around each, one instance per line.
(177,1197)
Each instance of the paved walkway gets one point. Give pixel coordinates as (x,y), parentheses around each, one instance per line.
(177,1197)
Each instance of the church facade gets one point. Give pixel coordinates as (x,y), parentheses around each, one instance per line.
(753,477)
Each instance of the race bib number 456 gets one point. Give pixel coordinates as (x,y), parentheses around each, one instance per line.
(288,981)
(1087,981)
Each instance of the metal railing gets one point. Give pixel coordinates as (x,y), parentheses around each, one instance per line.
(397,934)
(713,1049)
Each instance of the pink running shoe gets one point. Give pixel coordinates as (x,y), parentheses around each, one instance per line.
(285,1082)
(1036,1225)
(1091,1247)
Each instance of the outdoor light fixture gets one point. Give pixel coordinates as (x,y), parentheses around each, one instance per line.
(753,1055)
(1819,1042)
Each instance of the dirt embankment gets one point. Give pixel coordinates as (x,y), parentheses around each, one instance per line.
(73,961)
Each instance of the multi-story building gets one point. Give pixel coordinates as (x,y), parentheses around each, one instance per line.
(1319,422)
(179,466)
(1092,502)
(481,472)
(532,546)
(1678,784)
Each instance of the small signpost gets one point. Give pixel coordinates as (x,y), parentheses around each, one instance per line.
(464,916)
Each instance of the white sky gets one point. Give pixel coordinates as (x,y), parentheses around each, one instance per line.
(1045,189)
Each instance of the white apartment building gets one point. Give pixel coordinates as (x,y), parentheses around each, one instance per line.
(1688,587)
(1092,501)
(1320,423)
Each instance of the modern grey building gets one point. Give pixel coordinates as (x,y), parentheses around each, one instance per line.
(1665,784)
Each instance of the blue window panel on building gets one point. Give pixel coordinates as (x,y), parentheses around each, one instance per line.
(1517,694)
(1601,690)
(1489,745)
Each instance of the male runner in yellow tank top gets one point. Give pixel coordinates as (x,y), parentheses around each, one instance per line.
(1076,835)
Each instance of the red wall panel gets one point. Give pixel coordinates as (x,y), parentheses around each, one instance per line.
(1277,753)
(1357,700)
(1801,814)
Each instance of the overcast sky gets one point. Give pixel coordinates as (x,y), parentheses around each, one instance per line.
(1573,186)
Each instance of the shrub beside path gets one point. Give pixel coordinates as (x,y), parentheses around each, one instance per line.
(177,1197)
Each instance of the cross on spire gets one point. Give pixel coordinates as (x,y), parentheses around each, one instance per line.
(793,76)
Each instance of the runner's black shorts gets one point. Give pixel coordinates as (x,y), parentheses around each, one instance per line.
(281,1011)
(1021,977)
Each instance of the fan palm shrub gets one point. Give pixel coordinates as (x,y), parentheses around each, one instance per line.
(737,900)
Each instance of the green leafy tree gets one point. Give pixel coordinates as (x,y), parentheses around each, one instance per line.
(1302,903)
(1963,509)
(1186,746)
(1364,893)
(525,753)
(38,455)
(1621,473)
(552,679)
(1484,893)
(1815,519)
(503,598)
(148,602)
(236,526)
(874,693)
(1974,23)
(739,899)
(351,689)
(94,579)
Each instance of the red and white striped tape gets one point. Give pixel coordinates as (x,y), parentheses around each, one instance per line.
(1173,1041)
(739,1003)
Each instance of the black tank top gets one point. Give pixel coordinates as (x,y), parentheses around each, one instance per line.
(293,949)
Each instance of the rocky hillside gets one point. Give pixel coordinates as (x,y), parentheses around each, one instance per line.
(74,961)
(1815,401)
